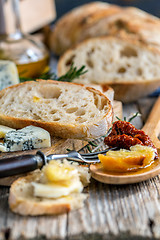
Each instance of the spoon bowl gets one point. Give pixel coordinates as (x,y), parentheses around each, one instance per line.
(152,129)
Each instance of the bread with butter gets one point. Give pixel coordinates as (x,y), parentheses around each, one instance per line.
(131,68)
(66,110)
(24,201)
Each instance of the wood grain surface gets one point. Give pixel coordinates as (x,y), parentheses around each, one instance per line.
(111,212)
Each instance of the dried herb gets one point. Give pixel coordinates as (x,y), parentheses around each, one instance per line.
(72,73)
(137,114)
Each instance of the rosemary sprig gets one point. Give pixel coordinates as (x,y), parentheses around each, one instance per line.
(72,73)
(92,144)
(119,118)
(137,114)
(89,149)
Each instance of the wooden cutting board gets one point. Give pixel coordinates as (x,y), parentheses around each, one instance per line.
(59,145)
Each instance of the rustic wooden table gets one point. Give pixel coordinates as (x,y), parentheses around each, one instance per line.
(111,212)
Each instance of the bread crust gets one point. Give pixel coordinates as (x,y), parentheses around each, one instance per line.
(99,19)
(22,202)
(73,26)
(57,129)
(130,92)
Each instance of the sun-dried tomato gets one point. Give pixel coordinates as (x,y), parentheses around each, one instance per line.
(124,135)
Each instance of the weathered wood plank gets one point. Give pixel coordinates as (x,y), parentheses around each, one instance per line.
(110,212)
(114,209)
(3,206)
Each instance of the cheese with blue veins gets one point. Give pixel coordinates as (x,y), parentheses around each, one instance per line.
(27,138)
(8,74)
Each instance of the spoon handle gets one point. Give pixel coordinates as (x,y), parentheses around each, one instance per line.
(152,125)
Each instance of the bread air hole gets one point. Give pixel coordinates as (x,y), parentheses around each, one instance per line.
(128,52)
(70,60)
(56,119)
(36,117)
(90,63)
(89,53)
(139,71)
(53,111)
(49,92)
(80,112)
(80,120)
(121,70)
(92,115)
(72,110)
(99,103)
(64,105)
(29,88)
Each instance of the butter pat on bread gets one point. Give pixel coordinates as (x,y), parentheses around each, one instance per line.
(36,195)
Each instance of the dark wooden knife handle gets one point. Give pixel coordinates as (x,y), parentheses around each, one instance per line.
(19,164)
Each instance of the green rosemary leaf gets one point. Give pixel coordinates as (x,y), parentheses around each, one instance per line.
(134,116)
(93,144)
(131,118)
(72,73)
(118,118)
(48,75)
(68,149)
(24,79)
(89,149)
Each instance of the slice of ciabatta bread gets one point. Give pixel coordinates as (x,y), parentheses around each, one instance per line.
(23,201)
(66,110)
(131,68)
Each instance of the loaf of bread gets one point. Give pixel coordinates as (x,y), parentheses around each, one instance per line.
(22,199)
(131,68)
(99,19)
(74,26)
(66,110)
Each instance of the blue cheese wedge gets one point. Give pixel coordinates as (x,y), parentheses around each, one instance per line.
(26,139)
(8,74)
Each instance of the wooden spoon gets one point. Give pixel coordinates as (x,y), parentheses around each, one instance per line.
(152,129)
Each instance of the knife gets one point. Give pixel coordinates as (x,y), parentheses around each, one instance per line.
(25,163)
